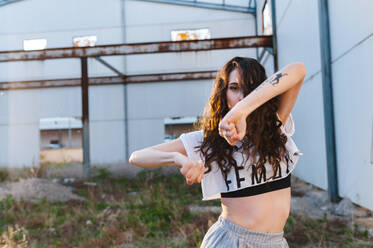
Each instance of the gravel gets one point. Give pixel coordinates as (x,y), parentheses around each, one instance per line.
(36,189)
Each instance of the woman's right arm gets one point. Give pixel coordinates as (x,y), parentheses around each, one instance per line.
(159,155)
(169,153)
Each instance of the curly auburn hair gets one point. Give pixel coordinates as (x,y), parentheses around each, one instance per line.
(263,134)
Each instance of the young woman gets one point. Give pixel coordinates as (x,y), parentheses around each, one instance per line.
(243,153)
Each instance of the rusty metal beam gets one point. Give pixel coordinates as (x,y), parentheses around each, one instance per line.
(216,6)
(75,82)
(138,48)
(171,77)
(55,83)
(105,63)
(85,117)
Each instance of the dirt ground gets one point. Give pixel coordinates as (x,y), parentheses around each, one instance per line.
(307,199)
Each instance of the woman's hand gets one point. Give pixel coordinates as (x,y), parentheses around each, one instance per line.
(191,170)
(233,126)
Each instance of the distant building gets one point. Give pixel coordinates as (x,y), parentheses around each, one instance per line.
(60,132)
(60,140)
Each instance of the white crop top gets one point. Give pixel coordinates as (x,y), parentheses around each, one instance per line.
(213,183)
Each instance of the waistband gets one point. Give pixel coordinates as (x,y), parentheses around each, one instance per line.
(260,189)
(251,235)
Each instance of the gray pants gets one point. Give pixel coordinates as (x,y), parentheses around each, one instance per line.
(224,233)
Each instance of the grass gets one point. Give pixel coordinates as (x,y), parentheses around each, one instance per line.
(148,211)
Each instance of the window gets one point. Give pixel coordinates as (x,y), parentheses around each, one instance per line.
(266,19)
(175,126)
(196,34)
(36,44)
(85,41)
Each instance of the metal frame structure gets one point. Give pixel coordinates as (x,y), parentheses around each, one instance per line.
(4,2)
(201,4)
(110,80)
(121,49)
(326,73)
(138,48)
(274,36)
(268,43)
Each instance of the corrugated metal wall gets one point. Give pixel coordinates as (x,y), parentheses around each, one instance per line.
(351,50)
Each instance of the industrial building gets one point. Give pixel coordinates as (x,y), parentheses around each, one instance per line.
(151,65)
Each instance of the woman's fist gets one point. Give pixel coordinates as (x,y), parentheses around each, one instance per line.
(233,127)
(191,170)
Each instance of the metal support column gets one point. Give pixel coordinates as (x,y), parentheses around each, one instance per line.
(85,117)
(125,90)
(326,71)
(274,36)
(256,29)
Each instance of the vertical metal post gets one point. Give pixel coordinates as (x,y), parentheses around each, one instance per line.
(125,92)
(326,71)
(69,134)
(371,147)
(85,117)
(60,137)
(256,28)
(274,35)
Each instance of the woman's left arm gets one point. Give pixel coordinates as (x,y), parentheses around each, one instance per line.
(286,82)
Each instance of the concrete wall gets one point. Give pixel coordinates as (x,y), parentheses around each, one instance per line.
(61,155)
(62,136)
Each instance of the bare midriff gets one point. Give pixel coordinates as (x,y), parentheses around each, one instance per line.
(265,212)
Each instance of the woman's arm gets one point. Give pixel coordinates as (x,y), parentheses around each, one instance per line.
(287,82)
(280,82)
(170,153)
(150,157)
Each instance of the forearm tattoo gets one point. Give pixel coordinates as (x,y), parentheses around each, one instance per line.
(273,80)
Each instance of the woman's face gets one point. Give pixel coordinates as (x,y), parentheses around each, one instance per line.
(234,90)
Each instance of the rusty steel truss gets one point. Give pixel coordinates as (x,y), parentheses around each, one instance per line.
(138,48)
(93,81)
(83,53)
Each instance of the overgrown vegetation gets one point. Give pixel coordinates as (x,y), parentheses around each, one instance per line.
(149,211)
